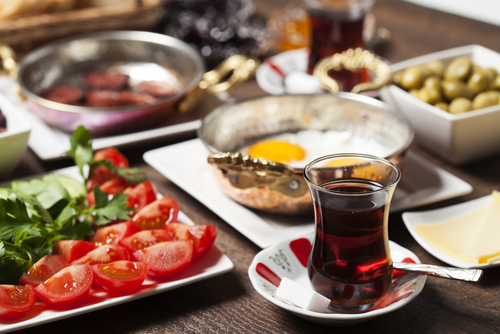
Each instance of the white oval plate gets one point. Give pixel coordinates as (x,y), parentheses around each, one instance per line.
(289,259)
(434,216)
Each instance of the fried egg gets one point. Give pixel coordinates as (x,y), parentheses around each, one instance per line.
(298,149)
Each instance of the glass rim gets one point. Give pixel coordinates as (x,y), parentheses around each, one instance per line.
(352,155)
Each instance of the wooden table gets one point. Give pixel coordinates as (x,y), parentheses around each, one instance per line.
(229,304)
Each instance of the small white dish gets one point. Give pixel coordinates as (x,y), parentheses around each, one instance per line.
(186,165)
(14,141)
(434,216)
(460,138)
(289,259)
(276,74)
(49,143)
(214,263)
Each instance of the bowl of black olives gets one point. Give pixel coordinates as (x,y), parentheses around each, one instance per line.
(452,98)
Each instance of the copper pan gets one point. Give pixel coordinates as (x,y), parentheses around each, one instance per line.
(278,188)
(141,55)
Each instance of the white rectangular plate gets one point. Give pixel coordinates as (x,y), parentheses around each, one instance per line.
(185,164)
(434,216)
(212,264)
(49,143)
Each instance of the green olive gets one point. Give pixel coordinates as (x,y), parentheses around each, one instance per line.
(495,84)
(456,88)
(479,81)
(436,67)
(432,81)
(491,71)
(442,106)
(396,78)
(460,68)
(412,77)
(484,100)
(429,95)
(460,105)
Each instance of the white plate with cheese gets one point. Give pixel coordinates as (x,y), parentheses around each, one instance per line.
(463,235)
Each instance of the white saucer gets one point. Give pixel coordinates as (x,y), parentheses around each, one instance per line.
(283,260)
(186,165)
(434,216)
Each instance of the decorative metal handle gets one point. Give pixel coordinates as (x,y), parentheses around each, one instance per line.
(353,60)
(246,172)
(9,63)
(217,80)
(469,275)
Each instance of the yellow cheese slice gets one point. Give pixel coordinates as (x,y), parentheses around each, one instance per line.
(453,236)
(485,243)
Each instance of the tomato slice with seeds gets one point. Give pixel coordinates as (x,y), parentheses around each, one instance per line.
(100,174)
(145,238)
(104,254)
(72,250)
(120,276)
(67,286)
(157,214)
(43,269)
(166,259)
(112,154)
(16,299)
(201,236)
(115,185)
(141,195)
(112,234)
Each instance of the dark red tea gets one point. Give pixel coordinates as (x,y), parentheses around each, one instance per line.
(350,262)
(333,33)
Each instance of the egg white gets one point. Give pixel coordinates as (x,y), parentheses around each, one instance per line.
(320,143)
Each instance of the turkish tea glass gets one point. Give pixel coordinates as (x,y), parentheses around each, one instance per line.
(350,262)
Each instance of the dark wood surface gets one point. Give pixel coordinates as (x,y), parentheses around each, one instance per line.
(229,304)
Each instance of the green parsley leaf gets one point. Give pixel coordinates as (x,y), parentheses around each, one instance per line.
(81,148)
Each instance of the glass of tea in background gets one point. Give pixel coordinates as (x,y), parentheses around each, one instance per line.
(336,25)
(350,261)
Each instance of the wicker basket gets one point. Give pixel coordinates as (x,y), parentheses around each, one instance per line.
(25,33)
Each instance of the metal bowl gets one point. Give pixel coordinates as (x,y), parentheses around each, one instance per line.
(141,55)
(279,188)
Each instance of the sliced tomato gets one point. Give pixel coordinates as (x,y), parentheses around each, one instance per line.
(157,214)
(166,259)
(141,195)
(16,299)
(100,174)
(43,269)
(112,154)
(113,186)
(201,236)
(72,250)
(145,238)
(67,286)
(104,254)
(112,234)
(120,276)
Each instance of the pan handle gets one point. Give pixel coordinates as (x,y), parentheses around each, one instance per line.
(353,60)
(221,79)
(227,75)
(9,64)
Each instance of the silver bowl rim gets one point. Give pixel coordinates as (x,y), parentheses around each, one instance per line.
(344,95)
(130,35)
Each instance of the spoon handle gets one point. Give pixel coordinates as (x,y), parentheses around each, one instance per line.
(469,275)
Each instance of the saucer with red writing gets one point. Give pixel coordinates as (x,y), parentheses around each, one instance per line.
(289,259)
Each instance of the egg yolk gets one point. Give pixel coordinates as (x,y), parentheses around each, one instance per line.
(279,151)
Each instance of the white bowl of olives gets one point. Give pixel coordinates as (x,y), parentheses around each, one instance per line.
(452,98)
